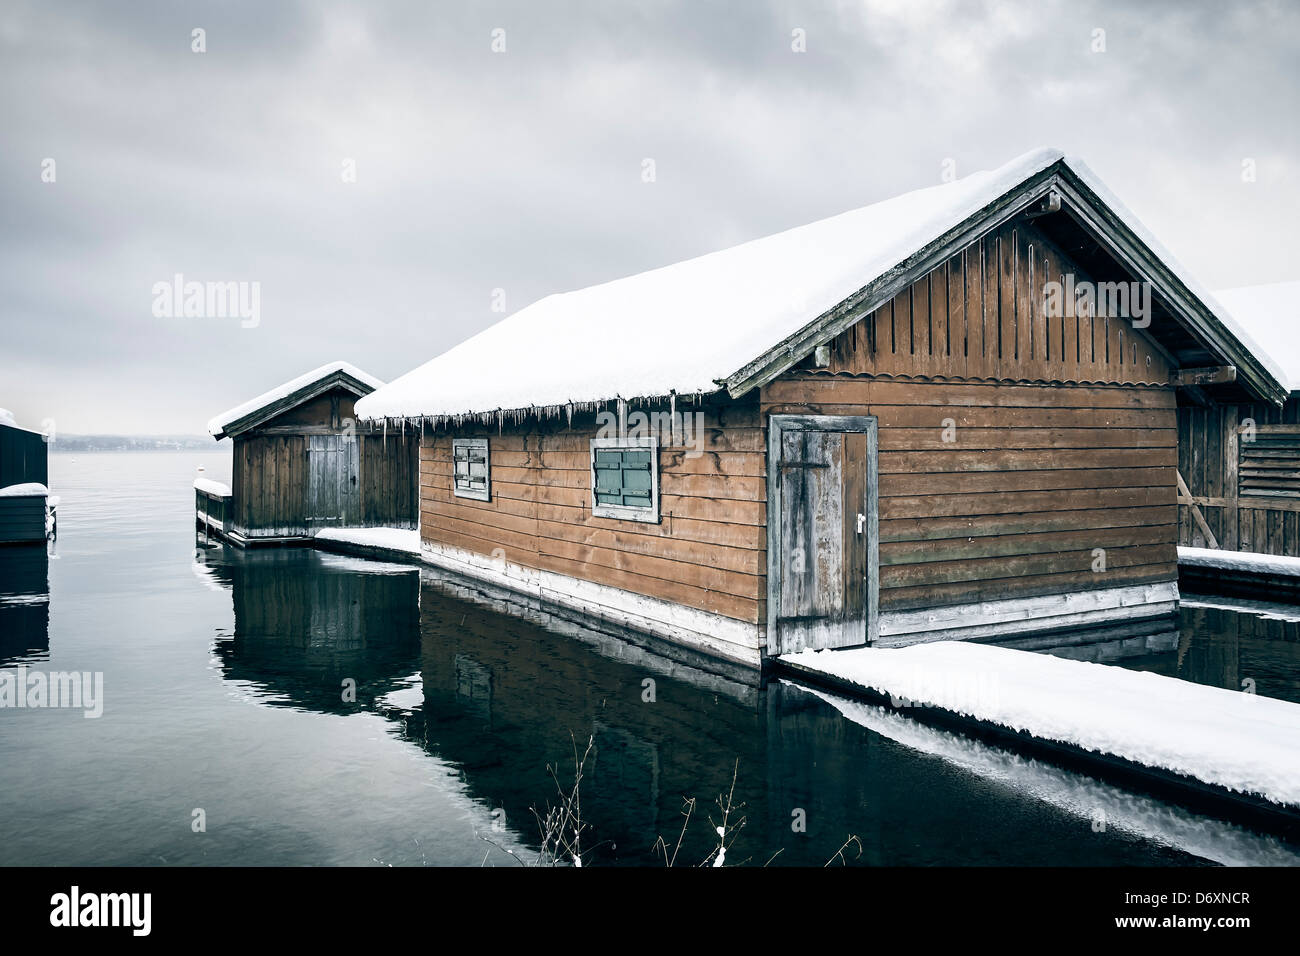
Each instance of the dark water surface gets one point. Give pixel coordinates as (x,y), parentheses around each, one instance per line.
(224,675)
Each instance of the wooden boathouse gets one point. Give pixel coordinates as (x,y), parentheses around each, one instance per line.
(952,414)
(26,511)
(302,463)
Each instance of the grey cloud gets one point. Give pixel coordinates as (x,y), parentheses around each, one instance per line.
(479,171)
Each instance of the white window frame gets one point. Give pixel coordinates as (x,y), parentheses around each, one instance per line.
(627,512)
(485,494)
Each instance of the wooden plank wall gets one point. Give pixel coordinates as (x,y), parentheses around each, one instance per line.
(981,315)
(269,485)
(708,551)
(23,456)
(1207,459)
(1034,479)
(390,475)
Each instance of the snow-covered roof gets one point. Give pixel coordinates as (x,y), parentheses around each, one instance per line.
(219,488)
(1270,314)
(688,327)
(303,383)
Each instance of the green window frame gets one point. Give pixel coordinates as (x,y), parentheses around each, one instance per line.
(471,473)
(625,479)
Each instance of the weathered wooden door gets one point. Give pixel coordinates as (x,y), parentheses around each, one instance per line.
(333,481)
(822,532)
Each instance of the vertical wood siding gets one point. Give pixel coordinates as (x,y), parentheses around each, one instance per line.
(390,476)
(270,485)
(1208,450)
(981,315)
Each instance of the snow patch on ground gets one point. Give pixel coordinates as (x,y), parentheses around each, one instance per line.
(1239,741)
(392,539)
(1250,561)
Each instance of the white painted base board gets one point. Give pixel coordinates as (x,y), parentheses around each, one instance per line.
(745,643)
(991,619)
(700,630)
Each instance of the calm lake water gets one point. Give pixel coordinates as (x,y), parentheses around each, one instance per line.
(223,692)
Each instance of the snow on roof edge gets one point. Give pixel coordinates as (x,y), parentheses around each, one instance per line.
(218,423)
(1139,229)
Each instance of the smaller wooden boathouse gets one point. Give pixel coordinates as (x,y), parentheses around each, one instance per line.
(26,513)
(302,463)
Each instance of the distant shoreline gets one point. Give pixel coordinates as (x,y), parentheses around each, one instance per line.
(87,445)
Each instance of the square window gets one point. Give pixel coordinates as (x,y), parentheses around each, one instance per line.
(625,478)
(470,477)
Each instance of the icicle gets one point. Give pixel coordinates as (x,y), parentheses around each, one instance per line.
(672,416)
(622,418)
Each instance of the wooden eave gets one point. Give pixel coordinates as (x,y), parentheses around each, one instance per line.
(337,379)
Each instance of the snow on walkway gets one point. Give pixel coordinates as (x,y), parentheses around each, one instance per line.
(1239,741)
(1077,794)
(390,539)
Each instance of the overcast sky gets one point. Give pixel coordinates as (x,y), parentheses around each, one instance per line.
(523,170)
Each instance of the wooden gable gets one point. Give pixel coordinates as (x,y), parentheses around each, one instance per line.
(982,315)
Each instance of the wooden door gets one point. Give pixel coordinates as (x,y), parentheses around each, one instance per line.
(325,476)
(822,539)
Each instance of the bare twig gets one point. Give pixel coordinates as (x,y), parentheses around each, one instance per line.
(839,854)
(688,804)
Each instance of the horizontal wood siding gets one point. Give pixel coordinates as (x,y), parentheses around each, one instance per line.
(1210,438)
(22,519)
(997,491)
(981,315)
(707,551)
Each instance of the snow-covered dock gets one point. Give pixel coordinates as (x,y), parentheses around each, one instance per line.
(389,544)
(1229,743)
(1243,573)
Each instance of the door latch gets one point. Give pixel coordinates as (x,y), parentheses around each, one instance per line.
(862,520)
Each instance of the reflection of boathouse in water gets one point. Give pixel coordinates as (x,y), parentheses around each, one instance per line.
(504,697)
(24,603)
(305,621)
